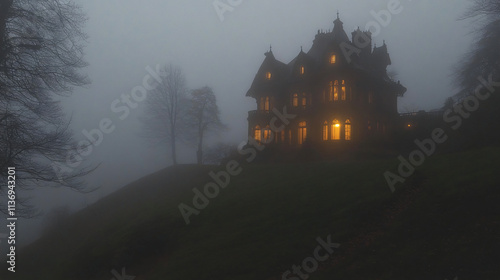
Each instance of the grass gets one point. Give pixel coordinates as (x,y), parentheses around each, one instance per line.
(442,222)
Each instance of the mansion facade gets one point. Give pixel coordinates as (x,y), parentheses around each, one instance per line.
(340,93)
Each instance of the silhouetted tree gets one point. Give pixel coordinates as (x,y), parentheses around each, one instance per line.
(41,52)
(482,62)
(204,116)
(166,107)
(484,58)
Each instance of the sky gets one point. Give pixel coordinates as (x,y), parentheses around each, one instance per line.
(224,51)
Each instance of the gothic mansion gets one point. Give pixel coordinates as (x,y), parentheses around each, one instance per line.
(340,93)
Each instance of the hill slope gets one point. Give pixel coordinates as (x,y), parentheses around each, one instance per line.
(442,222)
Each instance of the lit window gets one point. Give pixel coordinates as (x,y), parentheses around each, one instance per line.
(295,100)
(261,104)
(336,91)
(266,104)
(283,136)
(342,91)
(333,59)
(290,136)
(302,132)
(268,75)
(304,100)
(325,131)
(347,129)
(335,130)
(257,134)
(302,70)
(267,134)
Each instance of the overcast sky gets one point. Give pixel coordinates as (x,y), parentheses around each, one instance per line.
(425,41)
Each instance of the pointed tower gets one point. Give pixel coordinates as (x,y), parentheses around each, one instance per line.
(338,31)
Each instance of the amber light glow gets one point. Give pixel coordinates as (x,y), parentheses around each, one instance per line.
(335,130)
(302,132)
(268,75)
(257,134)
(333,59)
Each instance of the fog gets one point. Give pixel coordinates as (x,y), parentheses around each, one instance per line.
(425,42)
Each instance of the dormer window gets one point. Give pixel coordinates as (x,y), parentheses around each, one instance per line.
(333,59)
(302,70)
(268,75)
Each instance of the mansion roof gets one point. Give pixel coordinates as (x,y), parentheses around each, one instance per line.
(369,62)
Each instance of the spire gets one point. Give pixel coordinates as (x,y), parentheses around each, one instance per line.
(270,48)
(338,30)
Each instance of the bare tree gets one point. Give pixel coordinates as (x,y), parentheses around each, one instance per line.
(479,66)
(204,115)
(483,59)
(41,53)
(165,110)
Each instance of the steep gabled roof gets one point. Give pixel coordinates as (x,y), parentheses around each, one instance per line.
(371,63)
(278,69)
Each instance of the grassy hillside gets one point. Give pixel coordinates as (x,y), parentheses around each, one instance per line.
(442,222)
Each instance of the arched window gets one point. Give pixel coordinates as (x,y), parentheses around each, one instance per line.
(302,132)
(269,75)
(304,100)
(333,59)
(347,129)
(336,91)
(295,100)
(342,91)
(267,134)
(335,130)
(266,103)
(325,131)
(257,134)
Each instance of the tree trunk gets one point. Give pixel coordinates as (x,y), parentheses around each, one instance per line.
(172,146)
(199,153)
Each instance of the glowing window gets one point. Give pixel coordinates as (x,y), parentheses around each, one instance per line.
(283,136)
(302,132)
(266,104)
(347,129)
(290,136)
(267,134)
(302,70)
(295,100)
(325,131)
(333,59)
(304,99)
(336,91)
(335,130)
(257,134)
(261,104)
(342,91)
(268,75)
